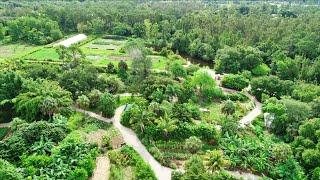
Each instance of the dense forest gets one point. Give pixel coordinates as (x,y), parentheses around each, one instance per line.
(210,89)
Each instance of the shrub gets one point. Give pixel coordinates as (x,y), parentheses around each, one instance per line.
(107,105)
(83,102)
(193,144)
(261,70)
(94,97)
(234,81)
(228,108)
(237,97)
(8,171)
(78,174)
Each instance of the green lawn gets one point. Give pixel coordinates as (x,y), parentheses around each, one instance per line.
(44,54)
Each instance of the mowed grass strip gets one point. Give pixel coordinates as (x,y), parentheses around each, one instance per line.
(44,54)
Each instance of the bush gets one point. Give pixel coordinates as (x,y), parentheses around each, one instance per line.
(193,144)
(107,105)
(237,97)
(78,174)
(94,98)
(8,171)
(235,81)
(261,70)
(83,102)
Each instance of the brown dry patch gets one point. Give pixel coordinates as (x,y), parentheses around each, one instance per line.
(96,137)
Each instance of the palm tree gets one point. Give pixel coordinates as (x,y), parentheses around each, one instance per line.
(214,160)
(166,124)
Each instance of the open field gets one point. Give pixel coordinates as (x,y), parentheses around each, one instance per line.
(16,50)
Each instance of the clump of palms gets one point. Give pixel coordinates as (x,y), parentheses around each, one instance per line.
(167,125)
(215,161)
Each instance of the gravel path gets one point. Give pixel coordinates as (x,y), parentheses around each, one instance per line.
(102,170)
(5,124)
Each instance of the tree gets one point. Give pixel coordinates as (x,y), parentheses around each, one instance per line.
(271,86)
(177,70)
(167,125)
(122,70)
(107,105)
(228,108)
(202,79)
(33,30)
(2,32)
(278,111)
(110,68)
(112,84)
(79,80)
(83,102)
(11,85)
(94,98)
(234,60)
(315,106)
(40,99)
(193,144)
(235,81)
(141,64)
(227,60)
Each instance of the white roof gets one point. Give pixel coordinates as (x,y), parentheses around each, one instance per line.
(72,40)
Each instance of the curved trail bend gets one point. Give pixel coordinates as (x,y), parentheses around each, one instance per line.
(161,172)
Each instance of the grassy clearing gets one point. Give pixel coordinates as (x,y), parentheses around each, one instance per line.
(16,50)
(44,54)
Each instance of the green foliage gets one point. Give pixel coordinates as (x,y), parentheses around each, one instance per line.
(111,84)
(228,108)
(78,173)
(271,86)
(127,156)
(306,92)
(177,69)
(234,81)
(80,80)
(234,60)
(107,105)
(3,132)
(215,161)
(83,102)
(94,98)
(8,171)
(41,99)
(193,144)
(34,30)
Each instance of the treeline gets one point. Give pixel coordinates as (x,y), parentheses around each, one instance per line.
(285,38)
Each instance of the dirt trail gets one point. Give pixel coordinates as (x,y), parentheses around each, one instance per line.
(102,170)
